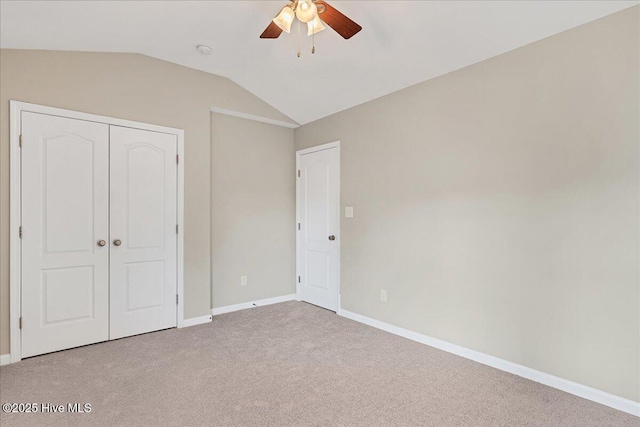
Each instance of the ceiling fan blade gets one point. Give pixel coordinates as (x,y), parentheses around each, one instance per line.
(339,22)
(271,32)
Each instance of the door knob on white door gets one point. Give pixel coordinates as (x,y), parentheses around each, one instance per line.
(117,242)
(332,237)
(101,243)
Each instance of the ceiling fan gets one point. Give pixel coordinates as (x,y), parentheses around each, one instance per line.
(313,13)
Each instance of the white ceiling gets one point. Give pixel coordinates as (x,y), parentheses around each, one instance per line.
(402,42)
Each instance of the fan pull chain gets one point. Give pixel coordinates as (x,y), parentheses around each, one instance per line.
(313,42)
(298,39)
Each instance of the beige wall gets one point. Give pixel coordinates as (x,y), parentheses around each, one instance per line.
(252,210)
(499,205)
(132,87)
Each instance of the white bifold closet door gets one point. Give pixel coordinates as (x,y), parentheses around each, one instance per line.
(99,244)
(143,231)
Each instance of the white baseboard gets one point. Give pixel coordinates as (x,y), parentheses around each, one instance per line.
(195,321)
(5,359)
(252,304)
(613,401)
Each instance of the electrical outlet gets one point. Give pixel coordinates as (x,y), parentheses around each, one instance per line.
(243,280)
(383,295)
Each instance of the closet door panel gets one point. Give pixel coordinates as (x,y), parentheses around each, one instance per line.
(65,208)
(143,231)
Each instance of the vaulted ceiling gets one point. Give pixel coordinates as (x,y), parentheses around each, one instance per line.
(402,42)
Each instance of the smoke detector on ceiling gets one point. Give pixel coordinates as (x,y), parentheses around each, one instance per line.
(205,50)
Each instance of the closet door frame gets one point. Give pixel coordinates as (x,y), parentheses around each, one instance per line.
(15,206)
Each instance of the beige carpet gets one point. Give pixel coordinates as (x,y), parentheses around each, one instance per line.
(289,364)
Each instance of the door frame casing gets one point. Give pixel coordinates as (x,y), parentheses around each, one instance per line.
(15,206)
(299,154)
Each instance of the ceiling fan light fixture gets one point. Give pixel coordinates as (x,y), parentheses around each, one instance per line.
(306,11)
(316,14)
(314,26)
(284,19)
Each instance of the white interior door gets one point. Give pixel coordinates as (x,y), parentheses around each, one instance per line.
(319,234)
(143,231)
(65,199)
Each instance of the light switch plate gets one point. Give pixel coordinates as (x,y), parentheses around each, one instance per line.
(348,212)
(243,280)
(383,295)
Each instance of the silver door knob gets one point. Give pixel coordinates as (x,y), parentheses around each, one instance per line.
(332,237)
(117,242)
(101,243)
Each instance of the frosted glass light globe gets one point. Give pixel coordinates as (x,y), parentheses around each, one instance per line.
(284,19)
(306,11)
